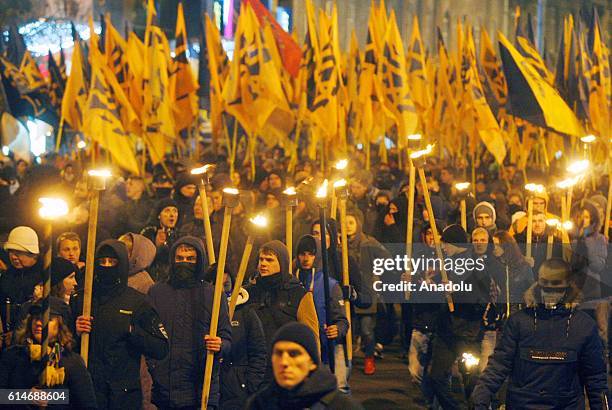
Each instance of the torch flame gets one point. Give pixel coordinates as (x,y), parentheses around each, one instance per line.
(53,208)
(322,191)
(81,144)
(259,220)
(423,152)
(462,186)
(537,188)
(568,183)
(340,165)
(340,183)
(579,167)
(552,222)
(290,191)
(567,225)
(415,137)
(231,191)
(201,170)
(587,139)
(100,173)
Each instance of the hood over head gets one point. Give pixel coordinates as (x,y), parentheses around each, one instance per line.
(108,279)
(596,215)
(201,264)
(143,253)
(280,250)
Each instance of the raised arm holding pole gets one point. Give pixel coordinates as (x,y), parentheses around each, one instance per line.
(96,181)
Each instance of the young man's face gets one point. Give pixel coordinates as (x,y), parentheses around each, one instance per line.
(358,190)
(188,191)
(586,218)
(306,259)
(316,232)
(134,187)
(480,240)
(291,364)
(186,254)
(539,224)
(484,220)
(429,238)
(539,205)
(268,264)
(70,250)
(168,217)
(22,259)
(351,225)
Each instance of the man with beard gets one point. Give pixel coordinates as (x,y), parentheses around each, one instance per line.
(185,305)
(122,327)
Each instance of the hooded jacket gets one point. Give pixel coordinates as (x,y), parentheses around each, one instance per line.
(143,255)
(313,281)
(185,204)
(185,306)
(125,327)
(550,356)
(280,298)
(317,391)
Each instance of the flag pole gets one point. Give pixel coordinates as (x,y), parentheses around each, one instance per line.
(60,132)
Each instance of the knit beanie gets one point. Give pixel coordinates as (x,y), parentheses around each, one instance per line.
(484,208)
(301,334)
(454,234)
(60,269)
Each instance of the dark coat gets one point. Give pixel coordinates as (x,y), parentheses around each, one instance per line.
(17,285)
(114,351)
(318,392)
(133,215)
(243,370)
(17,371)
(186,312)
(550,356)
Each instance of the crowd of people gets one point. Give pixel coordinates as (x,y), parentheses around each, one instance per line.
(534,320)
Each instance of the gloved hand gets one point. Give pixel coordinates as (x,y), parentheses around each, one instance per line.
(349,293)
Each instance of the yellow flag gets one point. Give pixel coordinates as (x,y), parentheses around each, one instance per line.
(103,122)
(183,84)
(600,98)
(75,94)
(532,97)
(395,81)
(218,65)
(135,55)
(494,74)
(29,69)
(417,75)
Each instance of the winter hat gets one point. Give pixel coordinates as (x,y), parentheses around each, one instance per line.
(22,238)
(454,234)
(484,208)
(60,269)
(307,243)
(301,334)
(184,180)
(518,215)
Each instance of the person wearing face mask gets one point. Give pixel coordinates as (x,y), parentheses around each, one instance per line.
(300,381)
(24,272)
(163,233)
(162,186)
(244,368)
(184,303)
(185,192)
(310,273)
(550,351)
(123,326)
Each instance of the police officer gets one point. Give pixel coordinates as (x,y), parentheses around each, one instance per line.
(122,327)
(550,351)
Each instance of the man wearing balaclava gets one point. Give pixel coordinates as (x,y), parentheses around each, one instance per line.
(184,303)
(550,352)
(122,327)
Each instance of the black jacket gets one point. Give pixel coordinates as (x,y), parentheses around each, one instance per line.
(550,356)
(17,371)
(114,351)
(133,215)
(243,370)
(186,312)
(318,392)
(17,285)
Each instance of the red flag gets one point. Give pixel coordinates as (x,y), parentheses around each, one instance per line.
(290,51)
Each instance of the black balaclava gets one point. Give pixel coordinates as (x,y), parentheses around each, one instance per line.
(184,274)
(108,280)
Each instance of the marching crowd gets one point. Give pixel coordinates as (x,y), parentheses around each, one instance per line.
(533,324)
